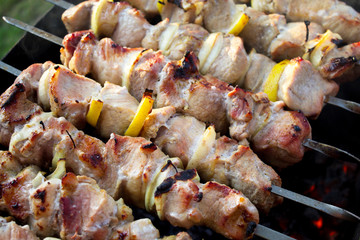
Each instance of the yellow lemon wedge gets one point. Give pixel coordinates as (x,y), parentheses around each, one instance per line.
(272,82)
(239,24)
(141,114)
(95,16)
(93,114)
(160,4)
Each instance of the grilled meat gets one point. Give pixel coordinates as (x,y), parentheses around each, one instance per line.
(331,14)
(160,118)
(179,84)
(295,87)
(270,34)
(12,231)
(139,182)
(74,207)
(232,160)
(188,37)
(232,63)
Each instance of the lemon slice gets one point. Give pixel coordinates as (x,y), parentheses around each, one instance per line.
(160,5)
(141,114)
(96,15)
(93,114)
(239,24)
(272,82)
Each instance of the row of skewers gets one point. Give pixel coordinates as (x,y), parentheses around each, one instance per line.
(186,67)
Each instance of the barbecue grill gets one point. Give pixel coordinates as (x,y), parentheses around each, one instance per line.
(326,179)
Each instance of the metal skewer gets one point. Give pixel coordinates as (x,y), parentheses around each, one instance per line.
(61,3)
(330,151)
(341,103)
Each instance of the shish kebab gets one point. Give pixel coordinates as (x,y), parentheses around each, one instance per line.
(270,34)
(217,15)
(299,85)
(66,205)
(22,147)
(221,159)
(132,168)
(245,172)
(331,14)
(275,151)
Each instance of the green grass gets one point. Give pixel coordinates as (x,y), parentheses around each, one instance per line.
(25,10)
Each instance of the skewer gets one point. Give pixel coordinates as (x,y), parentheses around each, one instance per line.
(327,208)
(328,150)
(61,3)
(345,104)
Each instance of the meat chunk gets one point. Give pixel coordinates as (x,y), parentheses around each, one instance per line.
(87,211)
(70,96)
(195,204)
(297,90)
(118,110)
(12,198)
(300,86)
(331,14)
(291,39)
(12,231)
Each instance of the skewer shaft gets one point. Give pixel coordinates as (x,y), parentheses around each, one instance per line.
(324,207)
(268,233)
(331,151)
(347,105)
(34,30)
(10,69)
(60,3)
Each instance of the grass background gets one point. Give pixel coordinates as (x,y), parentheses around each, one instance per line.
(25,10)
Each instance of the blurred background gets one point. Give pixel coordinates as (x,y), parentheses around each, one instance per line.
(26,10)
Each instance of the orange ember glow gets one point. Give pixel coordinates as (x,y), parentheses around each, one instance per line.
(311,189)
(333,235)
(345,168)
(318,223)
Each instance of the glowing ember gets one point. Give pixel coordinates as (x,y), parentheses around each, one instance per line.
(318,223)
(345,169)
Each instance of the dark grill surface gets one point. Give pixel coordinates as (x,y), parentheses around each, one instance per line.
(330,180)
